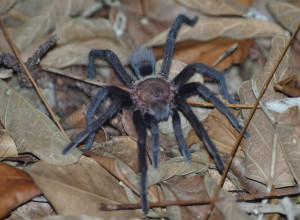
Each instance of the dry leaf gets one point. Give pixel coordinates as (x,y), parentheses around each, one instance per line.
(210,28)
(264,157)
(80,188)
(6,5)
(81,29)
(288,130)
(76,53)
(215,7)
(228,207)
(16,188)
(76,119)
(188,188)
(7,145)
(32,210)
(31,130)
(265,162)
(209,52)
(223,134)
(287,14)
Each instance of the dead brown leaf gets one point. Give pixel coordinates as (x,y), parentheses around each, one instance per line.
(287,14)
(208,52)
(264,158)
(16,188)
(210,28)
(288,130)
(228,207)
(80,188)
(31,130)
(7,145)
(188,188)
(223,134)
(215,7)
(6,5)
(265,161)
(76,53)
(289,86)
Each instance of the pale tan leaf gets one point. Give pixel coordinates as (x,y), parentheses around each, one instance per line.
(81,29)
(287,14)
(77,53)
(228,206)
(80,188)
(215,7)
(178,166)
(5,5)
(7,145)
(210,28)
(31,130)
(288,130)
(265,162)
(42,17)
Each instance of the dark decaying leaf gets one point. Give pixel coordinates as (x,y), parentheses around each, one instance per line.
(31,130)
(228,207)
(16,187)
(80,188)
(288,131)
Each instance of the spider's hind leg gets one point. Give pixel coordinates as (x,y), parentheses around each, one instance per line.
(120,97)
(179,136)
(201,132)
(170,42)
(140,126)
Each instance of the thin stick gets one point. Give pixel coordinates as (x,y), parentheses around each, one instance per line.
(17,54)
(229,161)
(97,83)
(248,197)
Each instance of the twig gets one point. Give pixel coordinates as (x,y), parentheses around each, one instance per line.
(229,161)
(17,54)
(248,197)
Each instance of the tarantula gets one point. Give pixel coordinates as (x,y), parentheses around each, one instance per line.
(153,98)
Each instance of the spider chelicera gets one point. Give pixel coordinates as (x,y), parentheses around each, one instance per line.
(153,97)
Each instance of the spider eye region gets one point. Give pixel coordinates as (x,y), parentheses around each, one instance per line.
(154,95)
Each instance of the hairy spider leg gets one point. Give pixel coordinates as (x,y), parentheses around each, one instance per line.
(114,61)
(201,68)
(201,132)
(120,97)
(179,136)
(170,42)
(94,106)
(191,88)
(140,126)
(154,139)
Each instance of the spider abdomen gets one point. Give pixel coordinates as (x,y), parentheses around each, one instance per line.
(153,95)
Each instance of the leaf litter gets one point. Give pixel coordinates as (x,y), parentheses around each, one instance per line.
(78,188)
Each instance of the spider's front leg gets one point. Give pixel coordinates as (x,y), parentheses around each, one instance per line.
(140,126)
(200,68)
(113,60)
(170,42)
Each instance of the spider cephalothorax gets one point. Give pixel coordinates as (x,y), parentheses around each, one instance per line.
(153,98)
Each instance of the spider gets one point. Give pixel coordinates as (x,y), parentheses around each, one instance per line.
(153,98)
